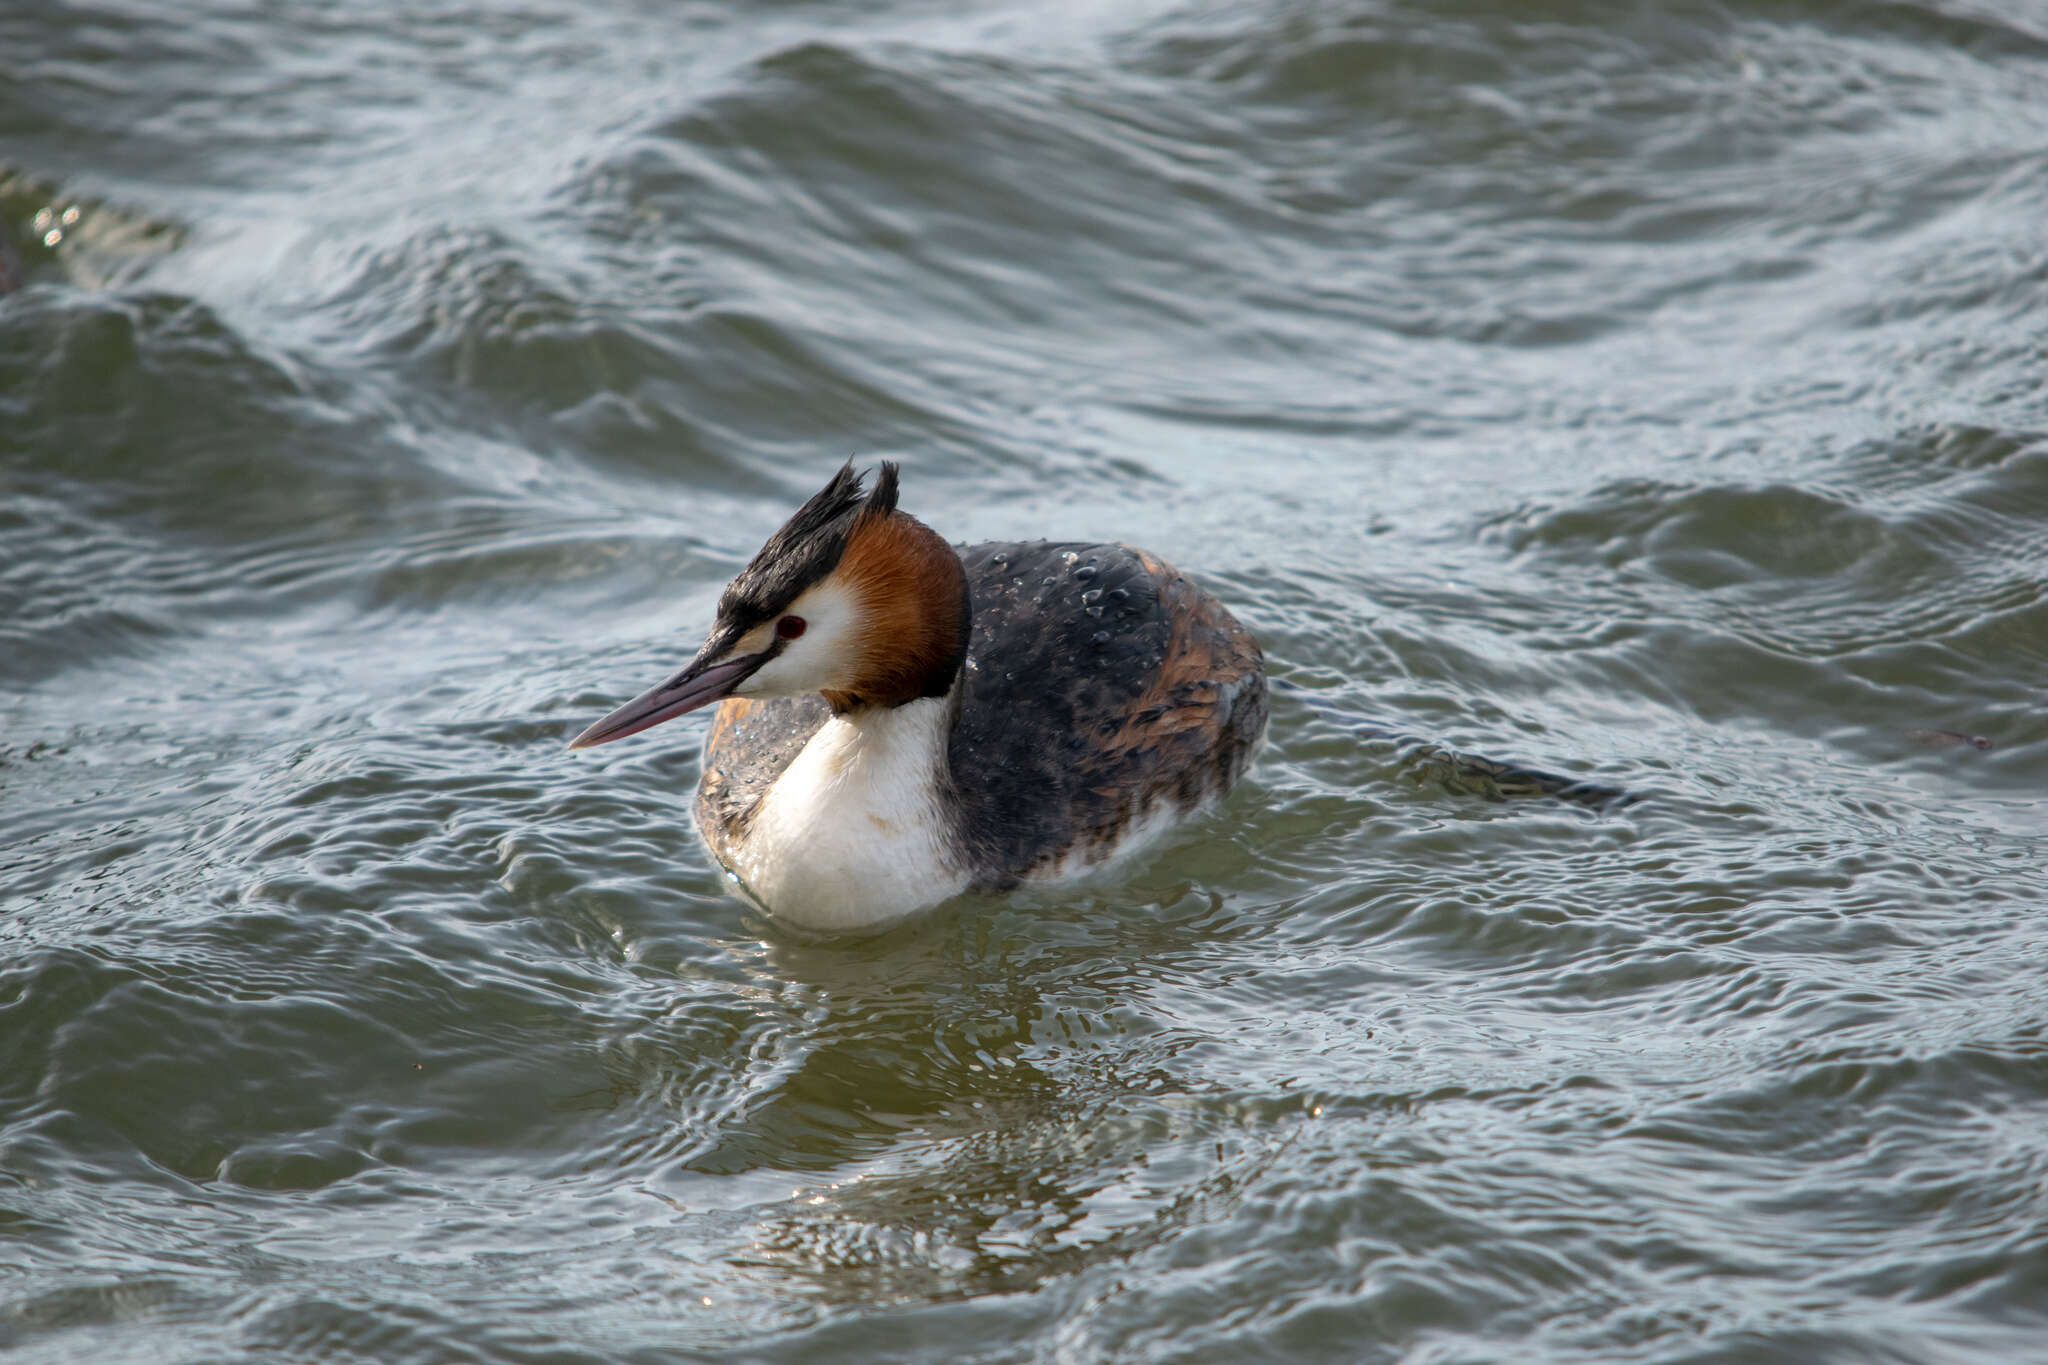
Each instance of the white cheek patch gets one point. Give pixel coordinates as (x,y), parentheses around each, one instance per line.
(822,657)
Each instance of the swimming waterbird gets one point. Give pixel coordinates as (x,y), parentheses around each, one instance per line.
(901,720)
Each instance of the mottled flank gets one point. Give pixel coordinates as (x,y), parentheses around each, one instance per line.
(1115,688)
(1102,688)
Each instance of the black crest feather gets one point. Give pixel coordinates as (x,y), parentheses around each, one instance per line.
(806,548)
(882,501)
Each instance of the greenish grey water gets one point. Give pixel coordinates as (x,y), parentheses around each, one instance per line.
(1647,393)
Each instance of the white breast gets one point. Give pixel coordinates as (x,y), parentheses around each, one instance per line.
(851,835)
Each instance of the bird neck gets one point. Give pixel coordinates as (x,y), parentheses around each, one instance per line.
(859,830)
(914,593)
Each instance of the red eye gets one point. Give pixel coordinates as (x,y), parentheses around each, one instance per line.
(789,627)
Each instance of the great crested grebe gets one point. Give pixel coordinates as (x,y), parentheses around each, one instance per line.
(902,721)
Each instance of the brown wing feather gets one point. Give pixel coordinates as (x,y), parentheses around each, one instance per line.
(1190,734)
(1103,686)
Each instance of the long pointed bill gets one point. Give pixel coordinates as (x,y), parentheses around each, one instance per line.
(680,695)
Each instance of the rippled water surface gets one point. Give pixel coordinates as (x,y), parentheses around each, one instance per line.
(1651,394)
